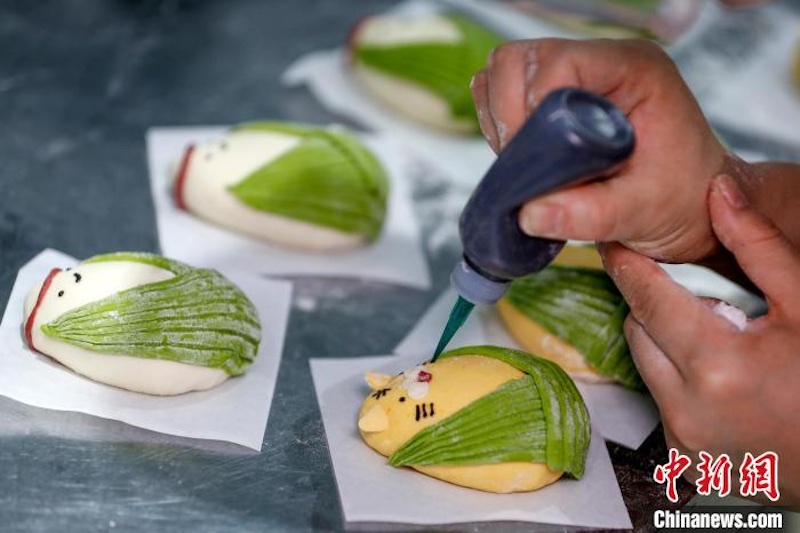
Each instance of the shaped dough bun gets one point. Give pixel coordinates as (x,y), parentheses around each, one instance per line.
(421,66)
(302,187)
(430,418)
(572,314)
(144,323)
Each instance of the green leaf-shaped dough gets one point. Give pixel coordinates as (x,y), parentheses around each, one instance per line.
(330,179)
(196,317)
(445,69)
(583,307)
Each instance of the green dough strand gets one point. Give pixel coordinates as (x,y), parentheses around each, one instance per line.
(445,69)
(540,417)
(197,317)
(584,308)
(330,179)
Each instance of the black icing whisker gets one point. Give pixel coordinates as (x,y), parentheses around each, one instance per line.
(417,417)
(77,277)
(380,393)
(424,411)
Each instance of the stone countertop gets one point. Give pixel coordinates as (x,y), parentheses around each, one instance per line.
(80,82)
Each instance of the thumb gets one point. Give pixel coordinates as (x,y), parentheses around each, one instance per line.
(765,255)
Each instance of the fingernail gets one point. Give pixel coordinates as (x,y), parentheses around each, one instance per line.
(543,220)
(490,59)
(731,192)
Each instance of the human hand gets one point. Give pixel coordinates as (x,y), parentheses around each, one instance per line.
(656,203)
(720,389)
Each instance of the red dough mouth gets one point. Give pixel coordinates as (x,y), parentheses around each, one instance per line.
(181,178)
(29,323)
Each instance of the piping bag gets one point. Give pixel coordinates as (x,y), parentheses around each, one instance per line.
(572,137)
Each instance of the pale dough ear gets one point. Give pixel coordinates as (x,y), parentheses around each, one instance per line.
(374,420)
(376,380)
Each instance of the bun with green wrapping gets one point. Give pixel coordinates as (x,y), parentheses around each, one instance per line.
(483,417)
(305,187)
(421,66)
(143,322)
(572,315)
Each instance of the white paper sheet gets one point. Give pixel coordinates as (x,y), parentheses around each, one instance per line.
(235,411)
(396,257)
(372,491)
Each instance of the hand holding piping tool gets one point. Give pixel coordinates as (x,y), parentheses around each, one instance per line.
(572,137)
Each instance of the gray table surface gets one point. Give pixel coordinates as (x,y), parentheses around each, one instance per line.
(80,82)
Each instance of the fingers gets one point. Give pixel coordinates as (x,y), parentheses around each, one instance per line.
(675,320)
(521,73)
(612,68)
(661,375)
(499,92)
(480,94)
(763,253)
(600,211)
(507,87)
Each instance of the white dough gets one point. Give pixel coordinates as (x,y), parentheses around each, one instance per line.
(394,30)
(97,281)
(412,100)
(215,166)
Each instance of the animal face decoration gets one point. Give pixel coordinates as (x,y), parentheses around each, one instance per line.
(483,417)
(400,406)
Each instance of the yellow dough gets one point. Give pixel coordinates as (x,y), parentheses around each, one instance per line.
(572,313)
(535,339)
(401,406)
(579,256)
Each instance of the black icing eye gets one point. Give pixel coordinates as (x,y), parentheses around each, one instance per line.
(60,294)
(402,399)
(77,277)
(67,269)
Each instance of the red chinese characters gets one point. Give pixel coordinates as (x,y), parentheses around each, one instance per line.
(756,474)
(670,472)
(714,474)
(760,474)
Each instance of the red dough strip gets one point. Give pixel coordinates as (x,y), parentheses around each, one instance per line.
(351,40)
(181,178)
(29,323)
